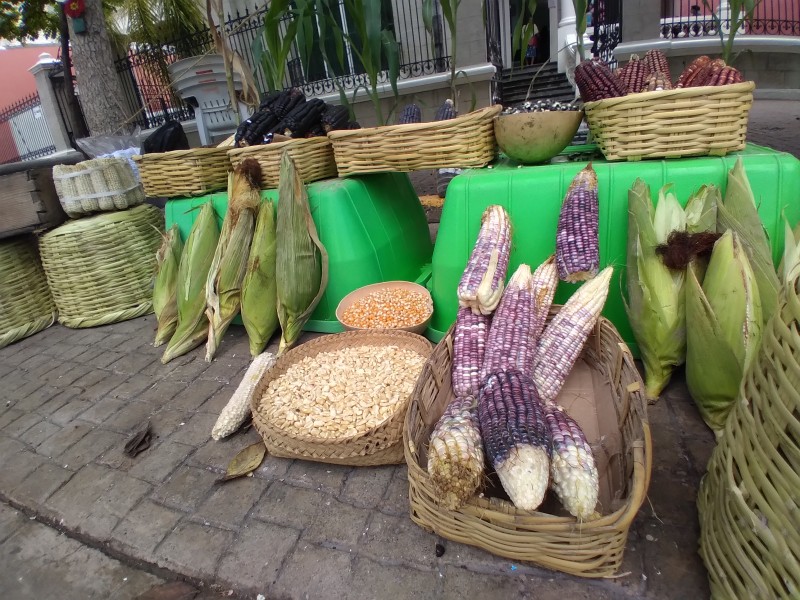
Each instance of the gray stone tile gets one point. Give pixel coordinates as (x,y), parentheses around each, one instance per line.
(39,433)
(17,466)
(398,540)
(291,506)
(319,572)
(8,415)
(101,409)
(36,398)
(366,486)
(180,549)
(217,455)
(129,417)
(396,501)
(70,411)
(158,461)
(10,521)
(145,526)
(40,484)
(346,530)
(319,476)
(373,581)
(92,445)
(186,489)
(230,502)
(54,446)
(195,394)
(19,426)
(195,430)
(273,467)
(131,363)
(26,388)
(161,392)
(59,399)
(64,374)
(133,387)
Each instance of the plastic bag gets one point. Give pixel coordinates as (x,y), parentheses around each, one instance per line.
(97,146)
(170,136)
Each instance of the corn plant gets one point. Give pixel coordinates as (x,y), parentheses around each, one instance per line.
(580,7)
(740,12)
(272,47)
(523,28)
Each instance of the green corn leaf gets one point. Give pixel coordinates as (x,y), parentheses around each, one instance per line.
(427,15)
(790,265)
(669,215)
(701,209)
(165,290)
(259,288)
(393,58)
(374,36)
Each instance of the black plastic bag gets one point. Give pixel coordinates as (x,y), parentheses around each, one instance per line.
(170,136)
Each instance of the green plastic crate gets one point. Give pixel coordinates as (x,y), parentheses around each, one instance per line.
(373,228)
(533,197)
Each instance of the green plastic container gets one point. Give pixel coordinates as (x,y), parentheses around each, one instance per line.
(533,197)
(372,226)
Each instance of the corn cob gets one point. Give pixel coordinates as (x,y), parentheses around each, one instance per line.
(335,117)
(657,81)
(690,72)
(514,433)
(165,288)
(481,285)
(259,289)
(656,62)
(301,119)
(726,76)
(446,111)
(563,339)
(269,98)
(284,104)
(577,242)
(353,125)
(633,75)
(469,347)
(410,114)
(572,467)
(595,81)
(707,73)
(238,407)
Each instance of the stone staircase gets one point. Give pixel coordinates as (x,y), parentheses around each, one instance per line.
(549,84)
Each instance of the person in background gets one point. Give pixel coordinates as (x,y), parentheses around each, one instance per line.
(530,53)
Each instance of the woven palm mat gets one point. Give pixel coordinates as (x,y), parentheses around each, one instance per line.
(26,306)
(100,269)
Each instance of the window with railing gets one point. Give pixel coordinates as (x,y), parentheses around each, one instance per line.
(695,18)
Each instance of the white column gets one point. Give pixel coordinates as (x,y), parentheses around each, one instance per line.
(566,31)
(41,72)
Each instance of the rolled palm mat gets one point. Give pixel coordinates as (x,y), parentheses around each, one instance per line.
(26,306)
(100,269)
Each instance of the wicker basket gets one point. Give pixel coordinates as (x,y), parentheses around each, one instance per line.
(748,500)
(379,446)
(100,269)
(313,158)
(195,172)
(98,185)
(590,549)
(26,306)
(466,141)
(698,121)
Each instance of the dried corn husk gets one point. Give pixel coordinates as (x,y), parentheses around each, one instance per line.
(259,293)
(224,283)
(165,290)
(655,303)
(195,263)
(724,323)
(738,212)
(301,260)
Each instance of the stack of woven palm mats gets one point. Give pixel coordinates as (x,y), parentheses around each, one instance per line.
(749,499)
(100,269)
(26,306)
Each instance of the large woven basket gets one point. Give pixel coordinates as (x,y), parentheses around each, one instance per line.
(101,184)
(466,141)
(178,173)
(592,548)
(698,121)
(100,269)
(379,446)
(749,498)
(313,158)
(26,306)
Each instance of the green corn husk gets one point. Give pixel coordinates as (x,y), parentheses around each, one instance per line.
(724,322)
(301,260)
(655,304)
(790,263)
(192,274)
(165,290)
(738,212)
(259,288)
(701,216)
(224,283)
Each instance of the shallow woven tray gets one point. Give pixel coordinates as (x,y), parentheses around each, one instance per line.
(466,141)
(26,306)
(379,446)
(195,172)
(313,158)
(100,269)
(698,121)
(748,500)
(590,549)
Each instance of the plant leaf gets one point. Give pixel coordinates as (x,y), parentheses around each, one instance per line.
(427,15)
(246,461)
(392,57)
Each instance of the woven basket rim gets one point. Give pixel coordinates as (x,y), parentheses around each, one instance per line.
(181,154)
(324,344)
(90,222)
(660,95)
(277,146)
(411,128)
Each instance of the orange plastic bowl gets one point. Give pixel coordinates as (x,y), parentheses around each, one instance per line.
(356,295)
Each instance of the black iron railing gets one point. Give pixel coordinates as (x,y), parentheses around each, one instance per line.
(24,134)
(693,18)
(146,84)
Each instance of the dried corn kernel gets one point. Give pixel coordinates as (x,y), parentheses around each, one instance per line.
(388,309)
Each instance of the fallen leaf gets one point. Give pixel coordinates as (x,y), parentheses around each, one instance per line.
(247,461)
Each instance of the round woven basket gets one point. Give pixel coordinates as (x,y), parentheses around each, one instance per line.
(100,269)
(697,121)
(313,158)
(195,172)
(748,500)
(466,141)
(591,548)
(379,446)
(26,306)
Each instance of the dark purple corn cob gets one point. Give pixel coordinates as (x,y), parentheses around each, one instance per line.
(577,242)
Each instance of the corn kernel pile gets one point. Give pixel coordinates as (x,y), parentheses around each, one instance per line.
(388,309)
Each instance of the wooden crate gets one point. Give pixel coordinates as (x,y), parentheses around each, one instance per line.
(28,202)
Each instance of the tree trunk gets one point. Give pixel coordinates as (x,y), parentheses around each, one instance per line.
(72,107)
(99,85)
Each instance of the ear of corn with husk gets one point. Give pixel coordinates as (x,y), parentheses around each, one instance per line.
(301,260)
(195,264)
(165,290)
(738,212)
(224,283)
(724,323)
(259,292)
(701,216)
(655,304)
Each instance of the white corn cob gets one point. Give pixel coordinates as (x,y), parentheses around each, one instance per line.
(563,339)
(481,285)
(238,407)
(572,468)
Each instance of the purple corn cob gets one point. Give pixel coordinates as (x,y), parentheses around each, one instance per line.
(469,347)
(515,436)
(577,243)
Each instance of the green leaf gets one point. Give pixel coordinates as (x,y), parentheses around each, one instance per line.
(393,58)
(427,15)
(580,16)
(374,37)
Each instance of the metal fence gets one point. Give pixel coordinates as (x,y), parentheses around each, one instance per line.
(146,84)
(695,18)
(24,134)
